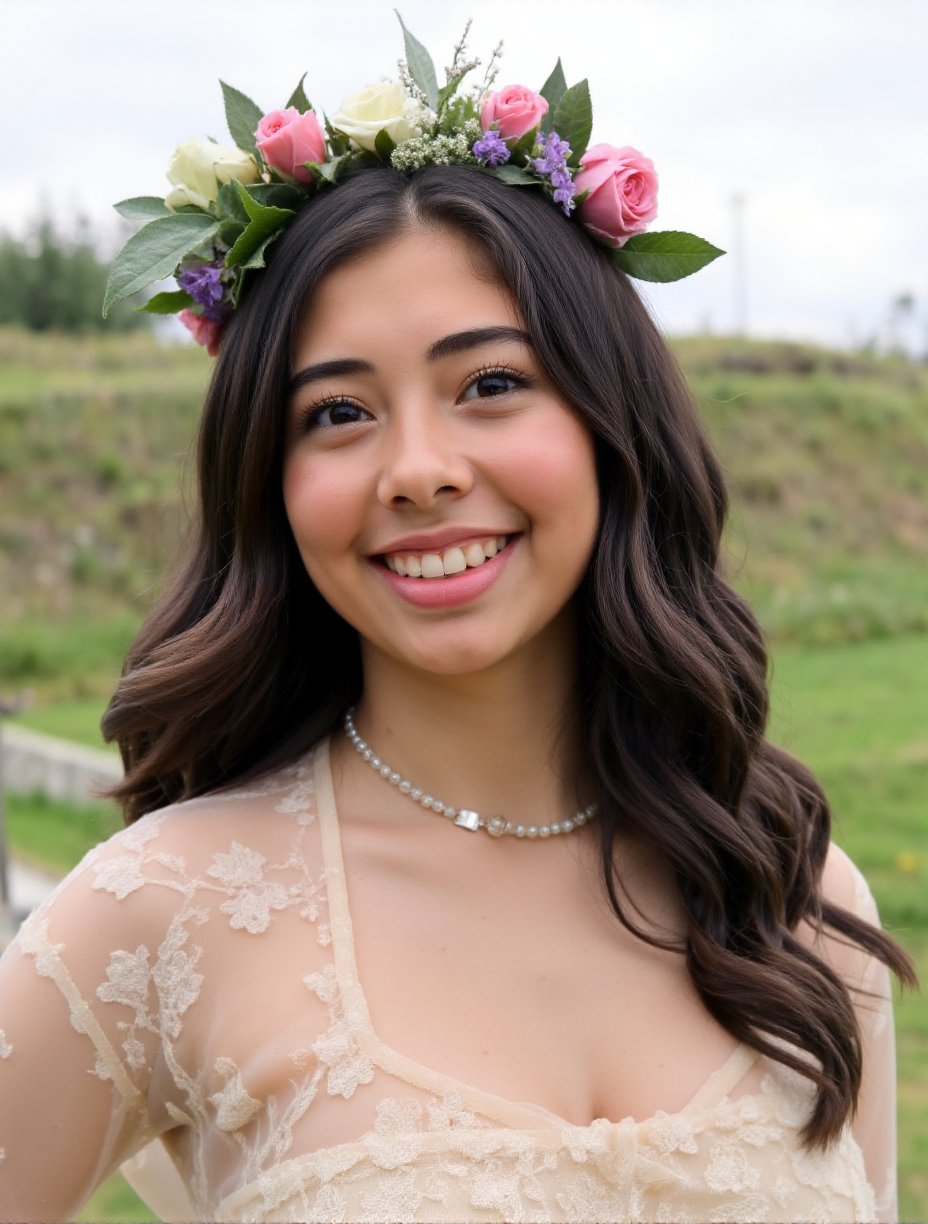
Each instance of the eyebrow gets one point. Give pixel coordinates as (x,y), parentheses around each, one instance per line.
(447,346)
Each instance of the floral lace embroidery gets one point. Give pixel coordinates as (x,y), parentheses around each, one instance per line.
(413,1153)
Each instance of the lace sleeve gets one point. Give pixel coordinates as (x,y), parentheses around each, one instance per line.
(77,1037)
(875,1123)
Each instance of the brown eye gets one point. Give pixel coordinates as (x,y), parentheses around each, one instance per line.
(335,412)
(493,383)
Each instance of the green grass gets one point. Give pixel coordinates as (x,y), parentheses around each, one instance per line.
(70,660)
(858,716)
(77,719)
(115,1202)
(55,835)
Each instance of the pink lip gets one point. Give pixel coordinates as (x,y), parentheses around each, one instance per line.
(435,541)
(448,592)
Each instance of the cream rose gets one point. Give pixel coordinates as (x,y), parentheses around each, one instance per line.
(386,106)
(199,168)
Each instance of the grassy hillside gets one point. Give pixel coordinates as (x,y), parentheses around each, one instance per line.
(827,459)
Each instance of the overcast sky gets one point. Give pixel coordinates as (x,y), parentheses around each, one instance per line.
(813,112)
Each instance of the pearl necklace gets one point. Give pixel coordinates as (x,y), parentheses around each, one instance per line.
(496,826)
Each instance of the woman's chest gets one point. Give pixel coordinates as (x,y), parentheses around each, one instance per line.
(523,983)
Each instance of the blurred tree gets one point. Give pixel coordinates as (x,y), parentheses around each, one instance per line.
(49,282)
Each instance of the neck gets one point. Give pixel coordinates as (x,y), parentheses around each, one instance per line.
(501,740)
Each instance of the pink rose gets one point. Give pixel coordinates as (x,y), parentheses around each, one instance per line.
(287,139)
(623,192)
(515,110)
(204,331)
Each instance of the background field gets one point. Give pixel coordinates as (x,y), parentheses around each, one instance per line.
(827,456)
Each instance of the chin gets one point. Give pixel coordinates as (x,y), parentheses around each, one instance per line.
(462,660)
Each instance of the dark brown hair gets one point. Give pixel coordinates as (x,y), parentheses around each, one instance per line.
(243,665)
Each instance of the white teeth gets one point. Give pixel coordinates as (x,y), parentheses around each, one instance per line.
(454,560)
(432,566)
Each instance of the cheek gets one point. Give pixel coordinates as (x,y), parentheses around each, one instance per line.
(321,502)
(556,473)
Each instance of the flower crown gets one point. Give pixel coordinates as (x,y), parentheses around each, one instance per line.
(228,204)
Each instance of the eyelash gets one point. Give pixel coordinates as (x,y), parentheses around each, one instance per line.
(309,417)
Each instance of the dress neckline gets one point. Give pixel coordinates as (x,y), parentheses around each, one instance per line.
(513,1114)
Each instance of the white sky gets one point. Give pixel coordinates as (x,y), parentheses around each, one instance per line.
(814,111)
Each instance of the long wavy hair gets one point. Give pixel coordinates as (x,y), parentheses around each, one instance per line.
(242,666)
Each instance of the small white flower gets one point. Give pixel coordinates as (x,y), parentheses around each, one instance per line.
(239,868)
(129,976)
(251,907)
(120,876)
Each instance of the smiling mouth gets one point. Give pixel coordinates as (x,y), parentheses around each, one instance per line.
(447,562)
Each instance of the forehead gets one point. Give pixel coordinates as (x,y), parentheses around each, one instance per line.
(412,290)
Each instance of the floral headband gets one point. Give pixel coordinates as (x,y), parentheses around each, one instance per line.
(228,204)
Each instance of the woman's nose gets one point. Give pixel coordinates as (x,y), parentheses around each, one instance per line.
(422,463)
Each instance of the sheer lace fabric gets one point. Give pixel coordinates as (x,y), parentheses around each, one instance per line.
(188,1003)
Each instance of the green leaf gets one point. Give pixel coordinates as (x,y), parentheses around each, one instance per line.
(167,303)
(256,258)
(230,232)
(523,148)
(421,68)
(142,208)
(450,89)
(278,195)
(384,144)
(154,252)
(264,222)
(228,206)
(328,171)
(667,255)
(242,116)
(515,176)
(338,141)
(573,120)
(299,99)
(552,91)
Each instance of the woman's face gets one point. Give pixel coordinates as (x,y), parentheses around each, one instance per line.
(441,493)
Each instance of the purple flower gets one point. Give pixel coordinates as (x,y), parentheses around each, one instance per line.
(491,150)
(554,154)
(565,197)
(204,284)
(552,165)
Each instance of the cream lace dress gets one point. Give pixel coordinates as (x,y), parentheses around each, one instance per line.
(187,1004)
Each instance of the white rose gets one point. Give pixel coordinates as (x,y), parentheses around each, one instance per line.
(384,107)
(199,167)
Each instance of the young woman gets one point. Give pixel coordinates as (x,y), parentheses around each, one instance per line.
(460,882)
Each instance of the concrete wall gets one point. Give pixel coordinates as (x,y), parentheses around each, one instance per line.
(32,762)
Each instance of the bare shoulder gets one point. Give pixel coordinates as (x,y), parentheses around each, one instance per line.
(142,875)
(844,885)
